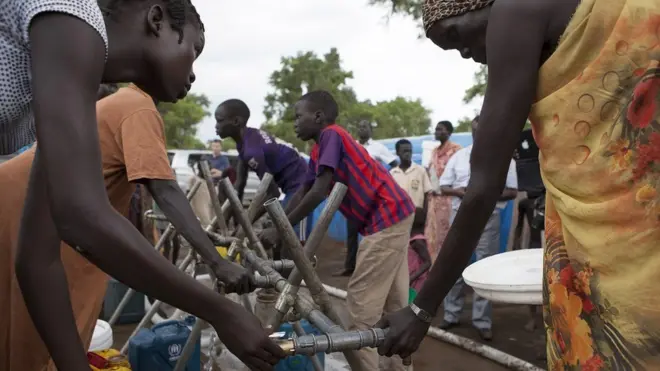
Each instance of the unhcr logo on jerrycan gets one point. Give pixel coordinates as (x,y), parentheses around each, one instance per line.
(159,348)
(174,351)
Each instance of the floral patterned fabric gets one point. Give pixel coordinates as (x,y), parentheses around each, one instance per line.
(439,207)
(597,124)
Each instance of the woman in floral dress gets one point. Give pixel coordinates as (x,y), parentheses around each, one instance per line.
(439,206)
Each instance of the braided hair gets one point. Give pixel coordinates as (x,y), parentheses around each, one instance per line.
(180,12)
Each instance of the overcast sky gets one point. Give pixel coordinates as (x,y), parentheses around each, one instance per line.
(246,39)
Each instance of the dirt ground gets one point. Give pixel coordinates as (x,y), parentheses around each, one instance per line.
(510,335)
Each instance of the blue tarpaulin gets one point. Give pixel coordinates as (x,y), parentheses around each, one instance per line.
(337,229)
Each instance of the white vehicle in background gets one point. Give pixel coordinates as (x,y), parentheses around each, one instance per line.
(183,160)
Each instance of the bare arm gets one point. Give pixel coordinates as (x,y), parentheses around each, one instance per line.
(514,53)
(297,197)
(41,277)
(449,191)
(175,206)
(67,65)
(317,193)
(241,179)
(273,192)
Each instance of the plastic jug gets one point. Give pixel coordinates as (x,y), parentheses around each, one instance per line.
(299,362)
(108,360)
(159,348)
(102,337)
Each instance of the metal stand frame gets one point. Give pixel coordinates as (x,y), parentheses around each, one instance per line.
(291,304)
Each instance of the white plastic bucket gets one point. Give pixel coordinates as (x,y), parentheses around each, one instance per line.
(102,337)
(514,277)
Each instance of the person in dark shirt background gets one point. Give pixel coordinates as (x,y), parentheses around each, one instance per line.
(259,152)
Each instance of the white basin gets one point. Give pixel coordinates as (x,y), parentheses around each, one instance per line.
(514,277)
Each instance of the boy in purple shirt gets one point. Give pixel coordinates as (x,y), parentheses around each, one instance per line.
(381,209)
(259,152)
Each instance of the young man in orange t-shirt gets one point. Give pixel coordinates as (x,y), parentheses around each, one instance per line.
(132,142)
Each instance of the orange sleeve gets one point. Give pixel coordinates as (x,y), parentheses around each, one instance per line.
(142,140)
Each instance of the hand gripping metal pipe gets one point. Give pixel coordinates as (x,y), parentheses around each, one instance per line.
(196,331)
(483,350)
(269,276)
(335,342)
(220,240)
(235,203)
(167,235)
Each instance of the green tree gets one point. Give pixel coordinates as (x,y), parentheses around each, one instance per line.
(412,8)
(181,120)
(478,89)
(464,125)
(400,117)
(307,72)
(304,72)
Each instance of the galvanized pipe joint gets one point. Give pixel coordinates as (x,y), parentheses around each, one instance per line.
(334,342)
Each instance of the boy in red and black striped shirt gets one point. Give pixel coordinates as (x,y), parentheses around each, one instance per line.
(382,209)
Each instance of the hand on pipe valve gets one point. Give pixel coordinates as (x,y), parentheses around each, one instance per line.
(333,342)
(270,238)
(233,277)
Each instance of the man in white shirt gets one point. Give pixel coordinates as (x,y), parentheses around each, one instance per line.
(411,177)
(376,150)
(453,182)
(379,152)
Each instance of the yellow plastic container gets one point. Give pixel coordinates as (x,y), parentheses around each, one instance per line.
(115,360)
(223,251)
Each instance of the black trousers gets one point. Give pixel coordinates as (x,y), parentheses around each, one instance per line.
(351,245)
(526,212)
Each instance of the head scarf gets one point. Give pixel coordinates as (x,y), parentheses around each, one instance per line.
(436,10)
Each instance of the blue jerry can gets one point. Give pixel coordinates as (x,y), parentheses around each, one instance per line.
(159,348)
(299,362)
